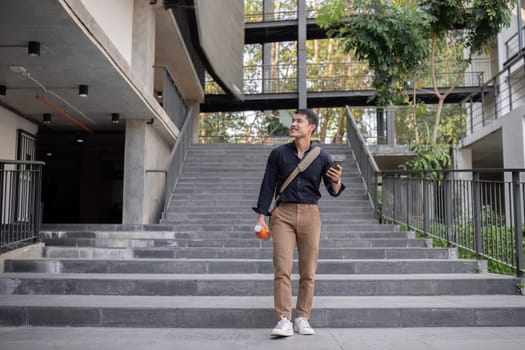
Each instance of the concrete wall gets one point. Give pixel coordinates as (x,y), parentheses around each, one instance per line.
(146,156)
(156,163)
(11,122)
(514,139)
(115,17)
(463,160)
(143,43)
(221,34)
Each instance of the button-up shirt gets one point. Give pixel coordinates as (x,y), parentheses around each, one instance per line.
(304,188)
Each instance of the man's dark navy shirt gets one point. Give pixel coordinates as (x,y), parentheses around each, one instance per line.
(304,188)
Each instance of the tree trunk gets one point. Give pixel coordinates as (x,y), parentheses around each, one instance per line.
(435,131)
(340,128)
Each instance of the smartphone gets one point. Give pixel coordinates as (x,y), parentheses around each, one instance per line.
(336,163)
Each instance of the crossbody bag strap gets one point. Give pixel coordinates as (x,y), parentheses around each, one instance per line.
(302,166)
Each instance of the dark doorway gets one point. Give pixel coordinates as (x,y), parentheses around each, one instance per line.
(82,181)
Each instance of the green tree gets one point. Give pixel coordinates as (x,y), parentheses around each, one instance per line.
(397,38)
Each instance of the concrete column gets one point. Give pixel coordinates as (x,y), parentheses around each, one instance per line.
(380,118)
(134,172)
(267,53)
(390,126)
(513,136)
(195,123)
(463,160)
(143,43)
(301,53)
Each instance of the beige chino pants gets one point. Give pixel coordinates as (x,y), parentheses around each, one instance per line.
(290,224)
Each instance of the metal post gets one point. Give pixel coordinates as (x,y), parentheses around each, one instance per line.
(390,127)
(301,54)
(376,199)
(510,93)
(476,194)
(520,25)
(409,200)
(483,103)
(471,116)
(448,209)
(380,117)
(496,95)
(518,202)
(395,180)
(267,53)
(426,206)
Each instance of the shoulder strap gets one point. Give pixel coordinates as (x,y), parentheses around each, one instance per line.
(302,166)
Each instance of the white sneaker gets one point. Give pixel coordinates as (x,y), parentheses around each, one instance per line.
(284,328)
(302,326)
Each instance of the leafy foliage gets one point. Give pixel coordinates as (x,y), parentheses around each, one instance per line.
(428,157)
(397,38)
(486,20)
(391,38)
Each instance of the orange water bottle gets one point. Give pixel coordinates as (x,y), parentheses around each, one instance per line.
(262,232)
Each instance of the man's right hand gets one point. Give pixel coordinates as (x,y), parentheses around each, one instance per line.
(261,220)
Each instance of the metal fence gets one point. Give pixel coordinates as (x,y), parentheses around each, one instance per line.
(365,160)
(497,97)
(277,16)
(480,211)
(349,76)
(20,206)
(178,156)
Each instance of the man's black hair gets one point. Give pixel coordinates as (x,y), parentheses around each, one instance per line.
(310,116)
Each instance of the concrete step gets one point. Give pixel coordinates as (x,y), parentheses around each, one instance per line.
(240,253)
(325,203)
(348,227)
(233,243)
(253,284)
(341,204)
(327,213)
(257,312)
(233,266)
(169,235)
(106,227)
(213,218)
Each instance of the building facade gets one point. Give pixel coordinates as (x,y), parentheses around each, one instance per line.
(495,123)
(102,90)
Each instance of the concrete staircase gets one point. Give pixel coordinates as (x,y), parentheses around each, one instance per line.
(203,267)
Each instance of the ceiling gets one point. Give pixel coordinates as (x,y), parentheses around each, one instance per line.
(67,59)
(488,151)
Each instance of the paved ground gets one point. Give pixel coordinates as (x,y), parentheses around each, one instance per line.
(43,338)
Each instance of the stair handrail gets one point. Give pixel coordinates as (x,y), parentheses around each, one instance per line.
(20,202)
(365,161)
(177,157)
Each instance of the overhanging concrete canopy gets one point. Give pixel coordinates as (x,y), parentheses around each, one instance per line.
(70,55)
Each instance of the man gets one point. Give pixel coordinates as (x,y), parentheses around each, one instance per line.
(296,219)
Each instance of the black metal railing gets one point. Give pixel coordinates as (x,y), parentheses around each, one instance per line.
(277,16)
(178,156)
(479,210)
(365,161)
(172,101)
(498,96)
(20,205)
(374,131)
(352,76)
(512,45)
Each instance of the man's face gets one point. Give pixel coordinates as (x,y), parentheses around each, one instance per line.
(300,126)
